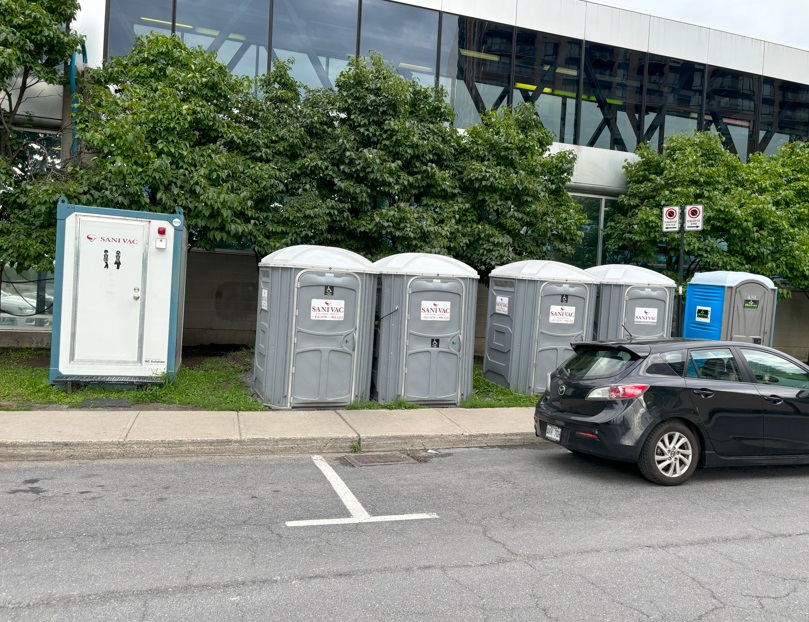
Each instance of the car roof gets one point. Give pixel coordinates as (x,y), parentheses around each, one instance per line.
(644,347)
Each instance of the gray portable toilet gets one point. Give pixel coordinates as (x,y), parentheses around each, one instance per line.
(536,309)
(425,333)
(730,305)
(314,334)
(632,302)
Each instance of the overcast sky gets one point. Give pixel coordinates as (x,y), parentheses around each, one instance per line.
(778,21)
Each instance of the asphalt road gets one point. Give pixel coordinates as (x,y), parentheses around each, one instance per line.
(531,533)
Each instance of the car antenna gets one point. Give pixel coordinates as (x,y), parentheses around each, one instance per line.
(631,336)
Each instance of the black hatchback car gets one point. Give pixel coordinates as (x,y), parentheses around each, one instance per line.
(671,405)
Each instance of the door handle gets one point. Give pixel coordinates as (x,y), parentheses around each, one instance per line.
(703,393)
(774,399)
(136,293)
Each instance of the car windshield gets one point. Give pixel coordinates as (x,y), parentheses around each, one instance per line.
(597,363)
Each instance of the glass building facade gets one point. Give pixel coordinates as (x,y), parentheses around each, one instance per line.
(586,93)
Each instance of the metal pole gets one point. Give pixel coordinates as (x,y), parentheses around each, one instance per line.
(681,310)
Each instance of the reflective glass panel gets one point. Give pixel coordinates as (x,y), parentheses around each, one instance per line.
(475,66)
(611,101)
(128,18)
(730,109)
(547,76)
(26,299)
(784,114)
(673,98)
(238,30)
(406,36)
(319,35)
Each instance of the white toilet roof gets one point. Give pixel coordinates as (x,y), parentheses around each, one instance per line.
(319,257)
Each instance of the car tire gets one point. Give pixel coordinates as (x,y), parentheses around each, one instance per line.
(670,454)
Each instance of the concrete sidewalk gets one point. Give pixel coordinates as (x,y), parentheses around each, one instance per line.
(91,434)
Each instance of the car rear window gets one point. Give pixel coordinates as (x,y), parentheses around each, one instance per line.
(598,363)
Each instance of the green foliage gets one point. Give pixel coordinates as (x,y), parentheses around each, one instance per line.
(378,168)
(486,394)
(693,168)
(773,238)
(33,46)
(400,403)
(374,166)
(755,217)
(168,129)
(513,193)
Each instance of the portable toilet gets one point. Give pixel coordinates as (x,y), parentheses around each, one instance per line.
(730,305)
(425,334)
(632,302)
(314,333)
(119,288)
(535,310)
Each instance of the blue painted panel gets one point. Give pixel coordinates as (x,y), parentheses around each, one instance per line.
(704,307)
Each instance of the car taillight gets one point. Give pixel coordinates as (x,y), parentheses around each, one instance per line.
(618,392)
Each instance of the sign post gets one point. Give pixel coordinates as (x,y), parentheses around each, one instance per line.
(684,219)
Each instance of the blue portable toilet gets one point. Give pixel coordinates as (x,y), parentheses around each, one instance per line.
(730,305)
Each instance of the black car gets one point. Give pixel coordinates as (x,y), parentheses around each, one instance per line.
(670,405)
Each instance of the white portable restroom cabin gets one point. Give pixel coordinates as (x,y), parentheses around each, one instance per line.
(119,291)
(314,333)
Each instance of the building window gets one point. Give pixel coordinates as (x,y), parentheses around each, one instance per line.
(612,97)
(475,66)
(730,109)
(547,76)
(237,30)
(784,114)
(128,18)
(319,35)
(405,36)
(673,98)
(26,300)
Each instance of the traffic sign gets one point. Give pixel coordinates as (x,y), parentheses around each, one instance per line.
(693,217)
(671,219)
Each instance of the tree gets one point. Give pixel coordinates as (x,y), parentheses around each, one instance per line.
(170,129)
(34,44)
(378,169)
(773,237)
(515,205)
(693,169)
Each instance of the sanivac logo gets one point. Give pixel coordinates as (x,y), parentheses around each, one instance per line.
(111,240)
(327,309)
(432,310)
(562,314)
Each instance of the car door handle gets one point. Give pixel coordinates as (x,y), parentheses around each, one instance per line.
(703,392)
(774,399)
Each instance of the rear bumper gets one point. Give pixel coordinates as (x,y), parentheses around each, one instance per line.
(614,439)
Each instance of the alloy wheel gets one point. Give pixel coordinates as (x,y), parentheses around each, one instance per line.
(673,454)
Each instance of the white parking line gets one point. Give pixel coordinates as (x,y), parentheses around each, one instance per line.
(358,513)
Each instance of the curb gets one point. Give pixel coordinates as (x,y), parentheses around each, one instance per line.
(95,450)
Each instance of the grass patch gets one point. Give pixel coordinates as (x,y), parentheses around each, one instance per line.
(398,404)
(217,383)
(213,380)
(486,394)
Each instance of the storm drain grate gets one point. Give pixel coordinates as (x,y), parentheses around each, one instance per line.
(359,460)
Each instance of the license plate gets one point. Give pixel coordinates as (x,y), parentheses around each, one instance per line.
(553,433)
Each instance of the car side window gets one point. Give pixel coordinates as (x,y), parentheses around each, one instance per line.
(666,364)
(772,369)
(715,364)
